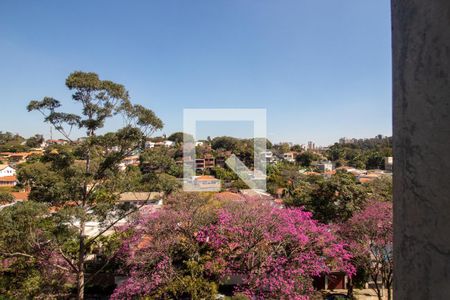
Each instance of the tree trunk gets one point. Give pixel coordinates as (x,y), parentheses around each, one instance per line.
(81,253)
(377,288)
(80,274)
(350,288)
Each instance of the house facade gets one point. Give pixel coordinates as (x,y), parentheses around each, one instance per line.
(6,170)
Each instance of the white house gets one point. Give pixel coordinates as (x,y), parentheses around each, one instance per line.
(168,143)
(6,170)
(289,156)
(149,144)
(388,162)
(165,143)
(325,166)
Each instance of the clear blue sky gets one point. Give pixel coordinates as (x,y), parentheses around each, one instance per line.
(320,67)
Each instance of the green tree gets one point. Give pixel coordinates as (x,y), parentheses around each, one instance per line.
(380,189)
(306,158)
(10,142)
(90,181)
(331,200)
(6,197)
(335,200)
(32,268)
(224,143)
(35,141)
(180,137)
(159,160)
(375,160)
(282,148)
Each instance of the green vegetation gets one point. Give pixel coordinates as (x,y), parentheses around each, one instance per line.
(6,197)
(46,247)
(362,154)
(83,181)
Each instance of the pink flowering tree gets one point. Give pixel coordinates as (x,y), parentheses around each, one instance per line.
(370,234)
(274,252)
(194,245)
(162,258)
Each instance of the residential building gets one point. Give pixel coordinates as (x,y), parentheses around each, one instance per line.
(345,140)
(8,181)
(325,166)
(21,196)
(141,198)
(18,157)
(168,143)
(132,160)
(220,161)
(209,161)
(205,183)
(6,170)
(200,164)
(268,156)
(149,144)
(388,163)
(256,194)
(165,143)
(57,142)
(289,156)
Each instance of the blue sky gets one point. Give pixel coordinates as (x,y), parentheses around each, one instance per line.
(321,68)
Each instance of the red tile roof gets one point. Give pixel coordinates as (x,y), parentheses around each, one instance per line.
(20,195)
(205,177)
(8,178)
(224,196)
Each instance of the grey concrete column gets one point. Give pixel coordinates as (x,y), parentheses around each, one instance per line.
(421,109)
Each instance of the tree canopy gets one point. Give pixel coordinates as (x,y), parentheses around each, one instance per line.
(84,180)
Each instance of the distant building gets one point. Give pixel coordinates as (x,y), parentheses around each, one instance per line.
(345,140)
(289,156)
(6,170)
(365,178)
(57,142)
(168,143)
(18,157)
(388,163)
(8,181)
(141,198)
(209,162)
(256,194)
(220,161)
(325,166)
(149,144)
(352,170)
(268,156)
(165,143)
(199,164)
(205,183)
(20,196)
(311,146)
(132,160)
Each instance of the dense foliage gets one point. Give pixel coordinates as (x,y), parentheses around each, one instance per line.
(195,245)
(362,154)
(370,236)
(32,266)
(83,182)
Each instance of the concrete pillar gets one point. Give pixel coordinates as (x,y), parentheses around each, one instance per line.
(421,111)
